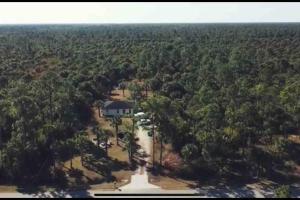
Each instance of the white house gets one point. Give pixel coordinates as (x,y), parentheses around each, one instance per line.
(117,108)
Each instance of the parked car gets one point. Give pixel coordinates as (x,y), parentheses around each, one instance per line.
(150,127)
(142,152)
(146,122)
(102,145)
(139,114)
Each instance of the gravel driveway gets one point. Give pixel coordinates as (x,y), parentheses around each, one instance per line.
(140,179)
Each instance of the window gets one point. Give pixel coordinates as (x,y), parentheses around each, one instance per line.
(124,111)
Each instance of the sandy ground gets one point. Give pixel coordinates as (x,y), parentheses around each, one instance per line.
(145,141)
(139,181)
(204,192)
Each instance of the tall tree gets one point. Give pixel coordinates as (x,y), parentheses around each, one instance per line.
(116,121)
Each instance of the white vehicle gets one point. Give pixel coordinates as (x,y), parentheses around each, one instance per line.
(142,152)
(150,126)
(145,121)
(102,145)
(139,114)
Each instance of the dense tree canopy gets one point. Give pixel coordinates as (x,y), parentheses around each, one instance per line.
(220,88)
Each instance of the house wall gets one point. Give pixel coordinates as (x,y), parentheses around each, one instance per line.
(115,112)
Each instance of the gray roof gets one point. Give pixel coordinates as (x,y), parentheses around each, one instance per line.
(118,105)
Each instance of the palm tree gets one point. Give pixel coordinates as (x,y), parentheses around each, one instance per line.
(159,107)
(123,87)
(130,139)
(146,87)
(116,121)
(2,123)
(104,137)
(153,141)
(80,140)
(71,144)
(135,91)
(1,153)
(49,83)
(161,150)
(99,104)
(96,130)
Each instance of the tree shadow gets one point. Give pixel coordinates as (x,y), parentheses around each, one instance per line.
(64,194)
(294,151)
(59,181)
(29,189)
(295,191)
(78,175)
(227,192)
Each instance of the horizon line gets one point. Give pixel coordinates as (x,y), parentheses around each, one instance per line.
(132,23)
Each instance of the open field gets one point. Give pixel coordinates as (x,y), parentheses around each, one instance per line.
(169,183)
(8,188)
(118,95)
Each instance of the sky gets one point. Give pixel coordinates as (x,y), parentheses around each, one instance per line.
(155,12)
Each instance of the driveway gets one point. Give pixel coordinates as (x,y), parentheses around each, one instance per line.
(139,181)
(204,192)
(144,141)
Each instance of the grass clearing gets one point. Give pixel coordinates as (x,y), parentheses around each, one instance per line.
(117,95)
(169,183)
(87,176)
(8,188)
(115,152)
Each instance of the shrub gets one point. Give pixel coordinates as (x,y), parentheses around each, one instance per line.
(173,162)
(283,192)
(281,146)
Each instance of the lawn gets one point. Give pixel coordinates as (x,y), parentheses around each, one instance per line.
(8,188)
(170,183)
(116,154)
(118,95)
(86,176)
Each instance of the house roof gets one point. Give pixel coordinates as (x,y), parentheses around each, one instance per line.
(117,105)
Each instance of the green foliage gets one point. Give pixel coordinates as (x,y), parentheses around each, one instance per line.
(283,192)
(218,89)
(189,151)
(281,145)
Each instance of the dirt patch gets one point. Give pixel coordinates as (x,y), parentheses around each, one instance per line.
(86,176)
(118,95)
(169,183)
(118,153)
(294,138)
(8,188)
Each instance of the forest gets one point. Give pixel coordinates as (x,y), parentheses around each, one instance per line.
(227,96)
